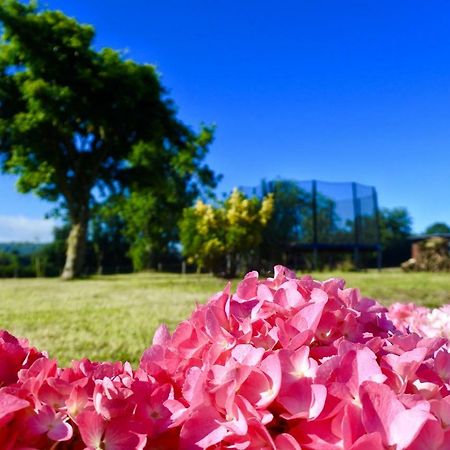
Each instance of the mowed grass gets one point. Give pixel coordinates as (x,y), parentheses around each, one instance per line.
(114,317)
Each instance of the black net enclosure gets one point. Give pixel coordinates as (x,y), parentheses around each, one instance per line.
(321,218)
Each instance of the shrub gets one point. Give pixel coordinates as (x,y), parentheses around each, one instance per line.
(222,238)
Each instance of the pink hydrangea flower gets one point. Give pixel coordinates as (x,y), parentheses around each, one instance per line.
(283,363)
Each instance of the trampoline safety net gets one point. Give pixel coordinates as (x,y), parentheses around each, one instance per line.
(323,215)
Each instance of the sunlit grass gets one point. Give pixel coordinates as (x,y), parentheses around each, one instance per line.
(392,285)
(114,317)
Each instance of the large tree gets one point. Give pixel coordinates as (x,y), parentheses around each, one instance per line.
(76,123)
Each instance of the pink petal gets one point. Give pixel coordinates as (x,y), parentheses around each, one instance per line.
(303,399)
(202,430)
(352,427)
(309,316)
(380,406)
(92,427)
(431,437)
(60,431)
(272,368)
(193,390)
(76,401)
(286,441)
(367,367)
(371,441)
(161,336)
(10,404)
(247,354)
(119,437)
(408,362)
(238,423)
(405,426)
(247,288)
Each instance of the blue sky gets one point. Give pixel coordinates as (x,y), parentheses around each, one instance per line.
(330,90)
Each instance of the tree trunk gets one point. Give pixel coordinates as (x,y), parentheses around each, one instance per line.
(231,265)
(76,248)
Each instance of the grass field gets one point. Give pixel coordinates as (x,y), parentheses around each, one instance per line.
(114,317)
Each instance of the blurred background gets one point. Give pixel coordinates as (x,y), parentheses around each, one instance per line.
(124,128)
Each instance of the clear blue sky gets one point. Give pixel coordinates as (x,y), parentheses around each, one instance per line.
(331,90)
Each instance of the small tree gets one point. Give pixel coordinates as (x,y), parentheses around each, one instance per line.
(226,235)
(79,125)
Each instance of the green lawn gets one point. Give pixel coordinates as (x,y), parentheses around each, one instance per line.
(114,317)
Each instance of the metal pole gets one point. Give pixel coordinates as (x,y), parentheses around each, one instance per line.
(314,211)
(377,226)
(356,214)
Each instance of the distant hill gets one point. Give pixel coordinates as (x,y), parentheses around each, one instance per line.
(20,248)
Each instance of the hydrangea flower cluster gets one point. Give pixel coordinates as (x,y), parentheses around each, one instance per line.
(284,363)
(424,321)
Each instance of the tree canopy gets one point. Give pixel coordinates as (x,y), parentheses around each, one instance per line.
(79,126)
(438,228)
(395,228)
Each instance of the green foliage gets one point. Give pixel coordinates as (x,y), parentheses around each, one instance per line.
(9,264)
(292,206)
(74,121)
(23,259)
(14,263)
(292,222)
(109,247)
(395,224)
(152,210)
(21,248)
(49,260)
(106,250)
(438,228)
(229,232)
(395,228)
(145,228)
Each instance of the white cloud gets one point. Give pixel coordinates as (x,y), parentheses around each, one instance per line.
(25,229)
